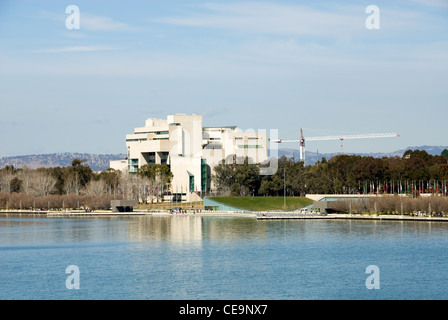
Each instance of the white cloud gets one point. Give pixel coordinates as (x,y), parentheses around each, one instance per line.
(433,3)
(75,49)
(90,21)
(99,23)
(332,21)
(274,19)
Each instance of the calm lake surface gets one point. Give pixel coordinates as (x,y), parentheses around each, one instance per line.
(193,257)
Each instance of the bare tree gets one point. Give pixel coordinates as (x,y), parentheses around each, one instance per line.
(44,182)
(95,188)
(72,183)
(6,177)
(27,177)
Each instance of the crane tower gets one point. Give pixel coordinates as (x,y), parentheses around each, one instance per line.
(341,138)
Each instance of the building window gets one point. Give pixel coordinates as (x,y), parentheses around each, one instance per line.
(133,165)
(213,146)
(249,146)
(136,140)
(191,183)
(150,157)
(164,157)
(204,175)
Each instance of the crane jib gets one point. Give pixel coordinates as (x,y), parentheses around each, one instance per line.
(341,138)
(355,136)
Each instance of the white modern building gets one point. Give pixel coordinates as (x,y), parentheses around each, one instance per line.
(190,150)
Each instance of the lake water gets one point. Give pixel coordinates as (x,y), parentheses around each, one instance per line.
(217,258)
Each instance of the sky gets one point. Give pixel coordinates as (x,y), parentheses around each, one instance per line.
(261,65)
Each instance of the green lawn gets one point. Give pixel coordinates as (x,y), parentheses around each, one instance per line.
(264,203)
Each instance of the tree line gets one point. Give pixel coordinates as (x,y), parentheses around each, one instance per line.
(392,205)
(78,185)
(414,173)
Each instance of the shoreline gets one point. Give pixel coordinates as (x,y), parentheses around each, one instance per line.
(259,215)
(348,216)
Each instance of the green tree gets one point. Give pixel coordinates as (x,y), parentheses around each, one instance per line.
(84,172)
(111,177)
(224,176)
(444,153)
(162,174)
(341,171)
(422,154)
(265,187)
(237,176)
(72,179)
(16,185)
(394,168)
(159,175)
(318,179)
(416,169)
(368,168)
(145,171)
(248,177)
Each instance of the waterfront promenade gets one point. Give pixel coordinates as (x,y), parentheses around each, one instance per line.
(259,215)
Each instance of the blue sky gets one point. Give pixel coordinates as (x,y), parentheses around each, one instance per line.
(256,64)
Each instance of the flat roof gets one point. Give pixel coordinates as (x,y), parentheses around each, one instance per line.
(227,127)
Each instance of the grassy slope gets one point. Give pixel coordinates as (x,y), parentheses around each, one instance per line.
(264,203)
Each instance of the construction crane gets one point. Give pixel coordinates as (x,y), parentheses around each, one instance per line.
(341,138)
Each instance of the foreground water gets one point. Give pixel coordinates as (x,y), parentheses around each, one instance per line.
(192,257)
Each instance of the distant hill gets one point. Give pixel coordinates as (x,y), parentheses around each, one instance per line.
(100,162)
(96,162)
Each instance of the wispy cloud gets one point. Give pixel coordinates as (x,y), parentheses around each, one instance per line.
(99,23)
(75,49)
(271,18)
(91,22)
(433,3)
(334,21)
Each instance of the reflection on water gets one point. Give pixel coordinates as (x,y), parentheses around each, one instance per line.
(193,229)
(178,230)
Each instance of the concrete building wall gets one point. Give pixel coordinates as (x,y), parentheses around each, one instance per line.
(121,165)
(186,146)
